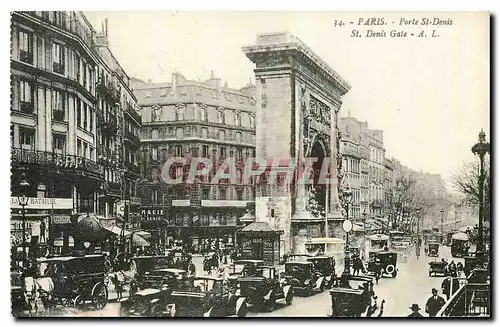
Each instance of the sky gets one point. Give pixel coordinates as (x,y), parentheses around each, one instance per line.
(430,96)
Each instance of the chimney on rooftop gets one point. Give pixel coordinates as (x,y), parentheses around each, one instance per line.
(174,83)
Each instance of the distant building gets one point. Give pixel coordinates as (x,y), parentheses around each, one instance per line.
(185,118)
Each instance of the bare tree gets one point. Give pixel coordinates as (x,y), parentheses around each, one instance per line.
(466,182)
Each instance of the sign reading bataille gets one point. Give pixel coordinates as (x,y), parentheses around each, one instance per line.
(43,203)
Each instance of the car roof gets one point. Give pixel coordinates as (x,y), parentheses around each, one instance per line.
(319,257)
(305,263)
(68,258)
(249,261)
(345,290)
(208,278)
(171,270)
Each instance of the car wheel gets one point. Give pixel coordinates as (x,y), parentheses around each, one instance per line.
(395,273)
(289,298)
(430,274)
(322,287)
(270,304)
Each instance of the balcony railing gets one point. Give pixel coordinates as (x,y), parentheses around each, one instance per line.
(132,138)
(26,56)
(108,125)
(58,68)
(50,159)
(471,300)
(108,89)
(131,111)
(26,107)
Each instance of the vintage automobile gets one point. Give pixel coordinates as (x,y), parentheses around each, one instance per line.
(353,296)
(437,267)
(207,297)
(245,267)
(160,278)
(433,249)
(459,245)
(149,302)
(304,278)
(153,298)
(326,267)
(383,262)
(263,288)
(146,264)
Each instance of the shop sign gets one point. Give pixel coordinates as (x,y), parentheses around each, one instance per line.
(153,212)
(61,220)
(43,203)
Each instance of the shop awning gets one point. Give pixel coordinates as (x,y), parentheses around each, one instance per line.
(117,231)
(139,241)
(145,235)
(259,227)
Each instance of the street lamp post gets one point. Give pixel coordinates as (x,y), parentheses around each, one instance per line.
(442,221)
(347,226)
(481,149)
(417,211)
(23,202)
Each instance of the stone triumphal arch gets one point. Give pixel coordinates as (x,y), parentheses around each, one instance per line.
(298,98)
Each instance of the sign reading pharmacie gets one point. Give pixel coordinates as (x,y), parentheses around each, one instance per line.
(154,214)
(43,203)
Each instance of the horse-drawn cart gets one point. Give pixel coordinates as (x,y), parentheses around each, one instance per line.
(73,281)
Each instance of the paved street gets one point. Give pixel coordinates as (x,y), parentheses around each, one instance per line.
(412,285)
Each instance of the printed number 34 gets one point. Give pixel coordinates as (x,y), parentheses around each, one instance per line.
(338,23)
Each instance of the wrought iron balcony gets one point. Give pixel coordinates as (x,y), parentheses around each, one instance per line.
(55,161)
(134,114)
(132,138)
(108,126)
(108,89)
(58,115)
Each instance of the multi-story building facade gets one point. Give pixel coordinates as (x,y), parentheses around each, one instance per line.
(53,112)
(377,172)
(189,119)
(55,126)
(119,127)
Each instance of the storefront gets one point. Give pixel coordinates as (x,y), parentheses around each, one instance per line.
(259,241)
(45,220)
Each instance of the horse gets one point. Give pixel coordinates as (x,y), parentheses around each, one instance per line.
(121,278)
(36,290)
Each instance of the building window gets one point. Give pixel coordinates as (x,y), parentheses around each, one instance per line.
(85,120)
(179,133)
(27,138)
(238,137)
(178,150)
(223,151)
(58,58)
(206,193)
(203,114)
(222,194)
(221,119)
(85,150)
(59,143)
(205,151)
(154,153)
(252,121)
(78,113)
(239,154)
(26,47)
(222,135)
(155,113)
(154,134)
(204,133)
(237,119)
(154,196)
(91,120)
(79,148)
(180,113)
(239,195)
(26,97)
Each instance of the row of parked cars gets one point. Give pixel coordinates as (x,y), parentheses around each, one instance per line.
(169,292)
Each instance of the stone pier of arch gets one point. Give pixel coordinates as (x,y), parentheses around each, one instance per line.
(298,97)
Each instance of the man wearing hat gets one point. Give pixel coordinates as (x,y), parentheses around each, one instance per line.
(414,311)
(434,303)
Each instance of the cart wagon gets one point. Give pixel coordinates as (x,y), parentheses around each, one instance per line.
(76,280)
